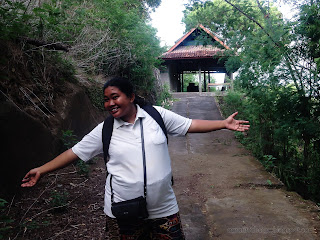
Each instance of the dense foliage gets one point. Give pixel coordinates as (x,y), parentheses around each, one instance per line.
(277,85)
(44,46)
(108,37)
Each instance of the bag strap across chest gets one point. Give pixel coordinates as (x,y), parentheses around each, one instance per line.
(144,166)
(108,128)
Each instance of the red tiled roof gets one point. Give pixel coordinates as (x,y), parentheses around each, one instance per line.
(200,51)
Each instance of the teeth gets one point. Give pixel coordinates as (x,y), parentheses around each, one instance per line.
(114,109)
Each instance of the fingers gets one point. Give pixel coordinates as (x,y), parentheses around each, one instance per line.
(239,121)
(26,176)
(243,128)
(234,114)
(243,121)
(25,179)
(242,124)
(30,179)
(29,182)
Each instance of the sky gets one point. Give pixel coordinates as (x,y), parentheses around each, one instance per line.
(167,19)
(168,16)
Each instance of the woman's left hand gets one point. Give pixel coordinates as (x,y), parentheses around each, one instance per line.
(236,125)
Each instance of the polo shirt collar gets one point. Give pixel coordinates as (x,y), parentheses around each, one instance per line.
(140,114)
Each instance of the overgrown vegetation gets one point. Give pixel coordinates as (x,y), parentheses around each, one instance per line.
(44,42)
(96,97)
(277,85)
(45,45)
(69,140)
(58,200)
(32,80)
(165,98)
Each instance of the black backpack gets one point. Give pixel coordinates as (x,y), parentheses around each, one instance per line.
(108,128)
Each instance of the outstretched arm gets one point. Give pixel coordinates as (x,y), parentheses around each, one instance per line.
(201,126)
(33,176)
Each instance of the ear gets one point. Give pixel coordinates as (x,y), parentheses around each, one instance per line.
(133,96)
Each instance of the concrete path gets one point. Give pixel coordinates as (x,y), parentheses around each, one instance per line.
(224,193)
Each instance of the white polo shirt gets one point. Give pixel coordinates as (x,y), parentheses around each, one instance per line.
(126,163)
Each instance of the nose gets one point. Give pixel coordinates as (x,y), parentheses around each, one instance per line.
(109,103)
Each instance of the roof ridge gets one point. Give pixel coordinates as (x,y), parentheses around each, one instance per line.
(191,31)
(212,34)
(181,40)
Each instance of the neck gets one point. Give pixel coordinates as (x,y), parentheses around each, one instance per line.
(131,117)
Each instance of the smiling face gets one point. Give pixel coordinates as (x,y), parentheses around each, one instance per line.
(119,104)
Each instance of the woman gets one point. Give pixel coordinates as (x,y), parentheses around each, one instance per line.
(125,164)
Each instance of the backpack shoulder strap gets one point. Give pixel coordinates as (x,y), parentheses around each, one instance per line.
(106,136)
(108,128)
(156,116)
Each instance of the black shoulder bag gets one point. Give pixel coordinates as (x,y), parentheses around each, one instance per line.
(134,209)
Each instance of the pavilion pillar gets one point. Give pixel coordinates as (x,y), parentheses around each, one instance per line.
(179,82)
(204,81)
(200,83)
(182,81)
(230,75)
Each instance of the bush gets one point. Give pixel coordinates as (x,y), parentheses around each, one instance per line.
(4,219)
(96,97)
(164,98)
(58,200)
(276,138)
(68,139)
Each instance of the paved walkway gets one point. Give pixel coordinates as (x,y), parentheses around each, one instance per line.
(224,193)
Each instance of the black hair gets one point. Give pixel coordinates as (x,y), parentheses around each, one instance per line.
(123,84)
(126,87)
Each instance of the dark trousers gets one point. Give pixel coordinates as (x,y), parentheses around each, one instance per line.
(166,228)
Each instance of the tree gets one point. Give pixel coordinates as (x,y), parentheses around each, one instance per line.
(279,75)
(238,25)
(109,37)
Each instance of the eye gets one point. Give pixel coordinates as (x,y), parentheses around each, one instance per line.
(106,99)
(115,97)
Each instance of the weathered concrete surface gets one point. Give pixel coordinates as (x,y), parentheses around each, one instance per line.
(224,193)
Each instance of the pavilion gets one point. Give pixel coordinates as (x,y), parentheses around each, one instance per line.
(199,51)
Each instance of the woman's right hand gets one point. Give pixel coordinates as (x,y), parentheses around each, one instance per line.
(31,178)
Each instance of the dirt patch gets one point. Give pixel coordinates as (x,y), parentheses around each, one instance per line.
(37,214)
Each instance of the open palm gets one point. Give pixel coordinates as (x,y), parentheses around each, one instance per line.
(236,125)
